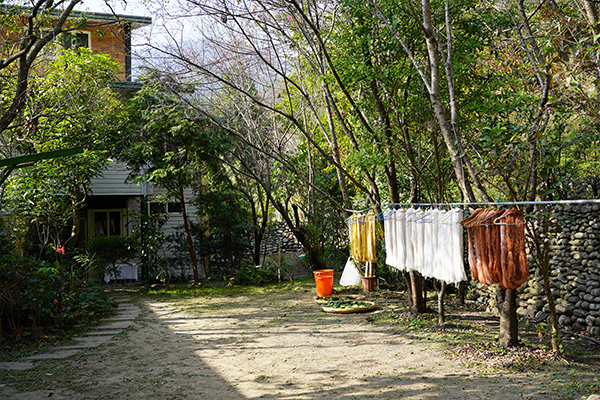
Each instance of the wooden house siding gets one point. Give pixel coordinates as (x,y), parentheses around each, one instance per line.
(112,182)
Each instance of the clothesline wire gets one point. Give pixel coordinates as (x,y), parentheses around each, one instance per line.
(358,211)
(360,219)
(502,203)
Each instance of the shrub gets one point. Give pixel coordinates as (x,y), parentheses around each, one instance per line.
(37,292)
(254,275)
(109,251)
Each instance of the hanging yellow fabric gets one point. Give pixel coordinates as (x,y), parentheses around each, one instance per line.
(370,242)
(354,237)
(363,243)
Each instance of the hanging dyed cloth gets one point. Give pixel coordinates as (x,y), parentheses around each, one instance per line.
(442,246)
(400,219)
(473,266)
(429,242)
(428,225)
(444,249)
(363,242)
(456,238)
(355,245)
(481,248)
(514,258)
(408,223)
(497,249)
(391,241)
(368,237)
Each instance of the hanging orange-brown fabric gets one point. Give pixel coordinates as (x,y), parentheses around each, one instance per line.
(486,250)
(493,246)
(480,241)
(514,263)
(467,222)
(484,245)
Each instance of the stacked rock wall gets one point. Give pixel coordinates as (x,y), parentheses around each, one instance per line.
(280,233)
(574,273)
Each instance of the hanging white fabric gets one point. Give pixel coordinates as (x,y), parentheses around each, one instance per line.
(391,242)
(430,242)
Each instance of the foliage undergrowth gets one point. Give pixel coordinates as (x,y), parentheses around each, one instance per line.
(53,292)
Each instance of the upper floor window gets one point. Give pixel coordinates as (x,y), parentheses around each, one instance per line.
(69,40)
(75,40)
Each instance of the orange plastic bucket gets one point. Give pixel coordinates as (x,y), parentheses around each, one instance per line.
(324,282)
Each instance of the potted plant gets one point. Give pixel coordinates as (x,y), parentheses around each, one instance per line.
(369,280)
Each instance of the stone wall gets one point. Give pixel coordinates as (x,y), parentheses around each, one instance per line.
(280,233)
(574,273)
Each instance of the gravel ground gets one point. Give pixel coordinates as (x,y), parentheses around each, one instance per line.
(278,344)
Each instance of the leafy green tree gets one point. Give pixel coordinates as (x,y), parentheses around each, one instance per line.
(25,33)
(169,145)
(71,105)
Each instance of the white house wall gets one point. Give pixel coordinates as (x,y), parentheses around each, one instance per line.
(174,221)
(112,182)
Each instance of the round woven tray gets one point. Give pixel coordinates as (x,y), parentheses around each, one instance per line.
(371,307)
(353,297)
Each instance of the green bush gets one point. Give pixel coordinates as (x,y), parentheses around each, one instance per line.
(108,251)
(39,292)
(254,275)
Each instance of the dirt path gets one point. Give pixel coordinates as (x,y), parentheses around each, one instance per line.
(275,346)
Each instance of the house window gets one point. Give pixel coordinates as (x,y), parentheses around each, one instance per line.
(107,223)
(162,208)
(174,207)
(69,40)
(156,208)
(75,40)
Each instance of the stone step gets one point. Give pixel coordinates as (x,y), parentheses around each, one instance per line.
(57,355)
(116,325)
(17,365)
(92,341)
(104,332)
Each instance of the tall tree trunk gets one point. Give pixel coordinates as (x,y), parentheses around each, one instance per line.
(438,107)
(415,292)
(541,248)
(441,292)
(509,325)
(373,195)
(591,12)
(384,119)
(335,153)
(413,176)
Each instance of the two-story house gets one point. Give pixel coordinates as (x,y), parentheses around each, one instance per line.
(114,205)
